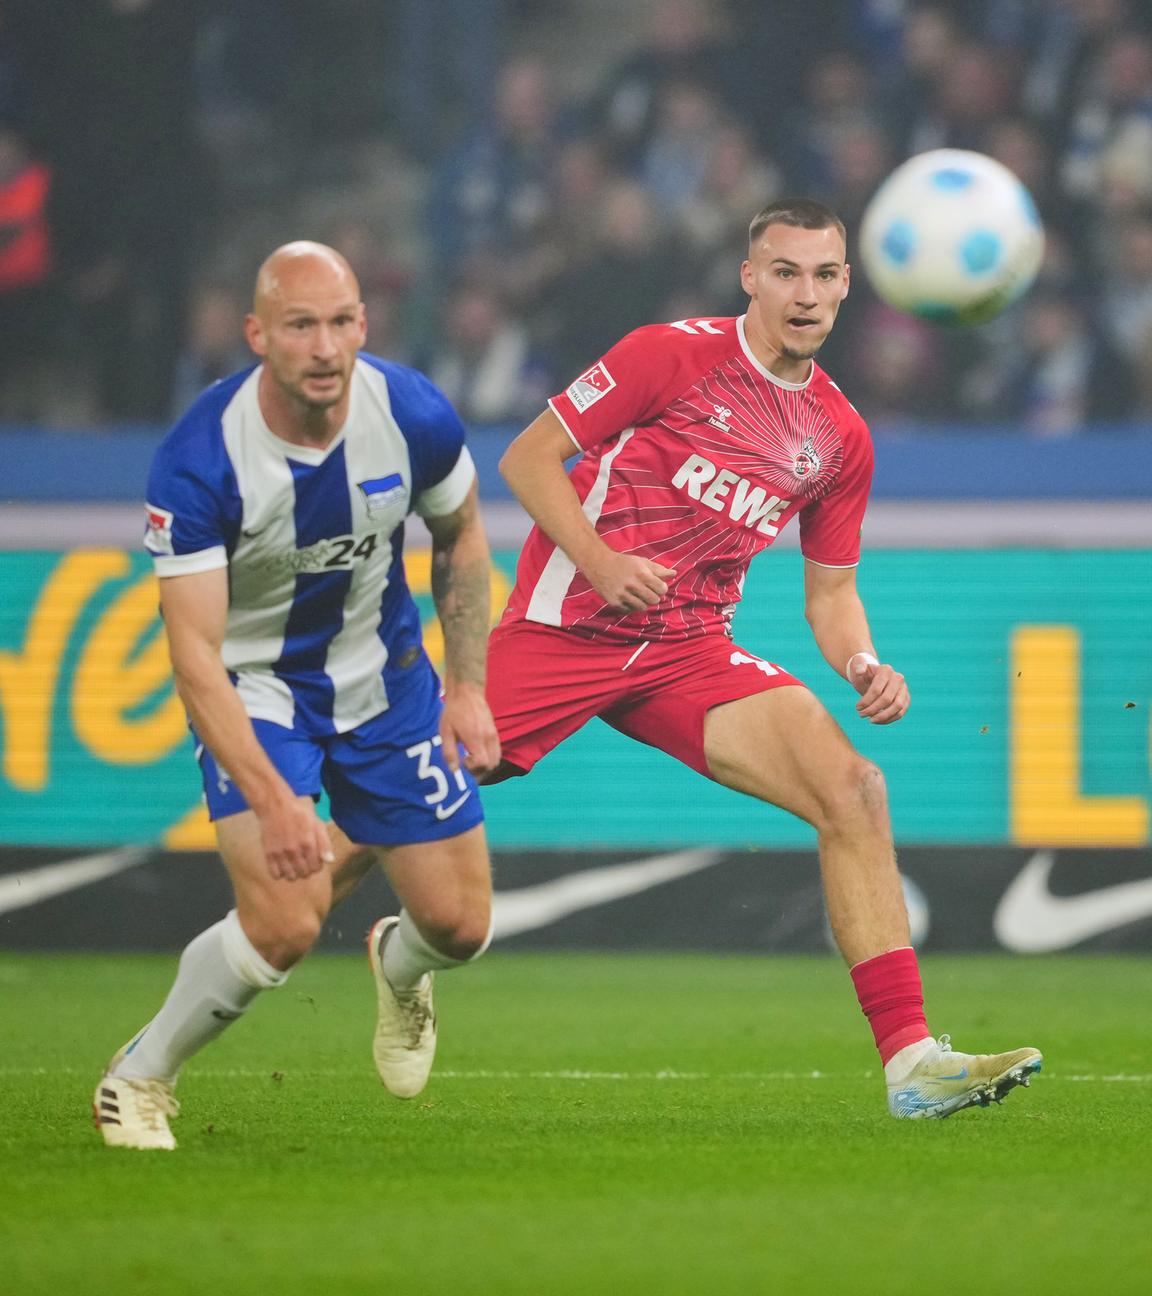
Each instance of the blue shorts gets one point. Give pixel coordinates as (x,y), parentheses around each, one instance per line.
(384,789)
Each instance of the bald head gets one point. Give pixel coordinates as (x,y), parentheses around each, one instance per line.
(307,326)
(302,269)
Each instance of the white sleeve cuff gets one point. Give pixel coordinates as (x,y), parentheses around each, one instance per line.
(447,495)
(189,564)
(552,406)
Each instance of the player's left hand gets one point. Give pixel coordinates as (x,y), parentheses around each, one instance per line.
(884,695)
(467,721)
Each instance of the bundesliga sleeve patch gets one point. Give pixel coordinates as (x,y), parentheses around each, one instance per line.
(590,386)
(158,532)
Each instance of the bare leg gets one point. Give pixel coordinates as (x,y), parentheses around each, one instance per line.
(446,889)
(281,918)
(351,865)
(223,969)
(783,747)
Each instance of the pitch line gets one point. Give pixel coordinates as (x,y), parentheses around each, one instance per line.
(247,1073)
(338,1073)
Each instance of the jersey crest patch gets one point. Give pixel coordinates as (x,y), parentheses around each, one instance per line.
(807,461)
(158,531)
(590,386)
(381,493)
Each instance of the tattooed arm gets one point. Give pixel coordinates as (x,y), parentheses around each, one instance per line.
(460,567)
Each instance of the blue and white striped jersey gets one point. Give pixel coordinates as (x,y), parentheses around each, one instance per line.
(321,624)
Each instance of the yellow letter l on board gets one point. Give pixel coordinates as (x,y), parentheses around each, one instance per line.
(1047,805)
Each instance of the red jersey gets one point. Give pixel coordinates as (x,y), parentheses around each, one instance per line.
(695,457)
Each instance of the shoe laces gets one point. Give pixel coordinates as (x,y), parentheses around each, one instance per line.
(416,1008)
(944,1043)
(154,1102)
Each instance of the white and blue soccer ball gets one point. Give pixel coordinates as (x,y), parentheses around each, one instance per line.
(951,236)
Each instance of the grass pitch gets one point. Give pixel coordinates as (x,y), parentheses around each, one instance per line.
(595,1124)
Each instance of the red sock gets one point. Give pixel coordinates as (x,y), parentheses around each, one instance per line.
(889,990)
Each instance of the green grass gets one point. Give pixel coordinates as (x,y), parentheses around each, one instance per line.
(595,1125)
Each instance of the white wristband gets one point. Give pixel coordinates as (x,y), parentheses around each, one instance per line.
(868,658)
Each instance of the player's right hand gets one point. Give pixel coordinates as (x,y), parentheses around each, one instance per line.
(296,843)
(884,696)
(627,582)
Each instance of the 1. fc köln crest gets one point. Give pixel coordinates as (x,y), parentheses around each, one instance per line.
(806,462)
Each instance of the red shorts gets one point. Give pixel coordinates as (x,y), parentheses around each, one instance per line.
(545,683)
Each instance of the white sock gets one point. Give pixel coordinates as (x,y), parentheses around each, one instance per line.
(220,973)
(898,1066)
(407,955)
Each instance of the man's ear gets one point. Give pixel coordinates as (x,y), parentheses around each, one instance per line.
(254,335)
(747,277)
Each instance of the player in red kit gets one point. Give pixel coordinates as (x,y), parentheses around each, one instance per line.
(701,440)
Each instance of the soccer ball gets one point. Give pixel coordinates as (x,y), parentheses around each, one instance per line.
(951,236)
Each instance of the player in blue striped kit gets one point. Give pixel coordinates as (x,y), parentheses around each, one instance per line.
(276,511)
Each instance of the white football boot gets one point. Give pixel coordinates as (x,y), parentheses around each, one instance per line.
(942,1081)
(405,1042)
(134,1113)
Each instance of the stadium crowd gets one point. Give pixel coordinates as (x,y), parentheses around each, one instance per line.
(522,181)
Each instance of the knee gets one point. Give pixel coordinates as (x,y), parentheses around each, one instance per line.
(857,798)
(459,934)
(284,938)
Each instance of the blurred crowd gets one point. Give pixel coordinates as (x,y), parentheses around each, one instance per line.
(520,183)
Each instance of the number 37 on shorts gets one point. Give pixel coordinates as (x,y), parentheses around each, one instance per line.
(444,783)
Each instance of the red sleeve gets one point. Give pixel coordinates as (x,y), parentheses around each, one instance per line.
(628,386)
(830,526)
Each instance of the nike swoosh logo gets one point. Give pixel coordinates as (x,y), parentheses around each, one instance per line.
(1031,920)
(19,890)
(960,1075)
(522,910)
(529,908)
(446,812)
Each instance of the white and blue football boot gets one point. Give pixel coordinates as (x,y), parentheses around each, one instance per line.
(942,1081)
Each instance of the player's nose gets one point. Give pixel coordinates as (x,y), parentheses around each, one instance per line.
(325,341)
